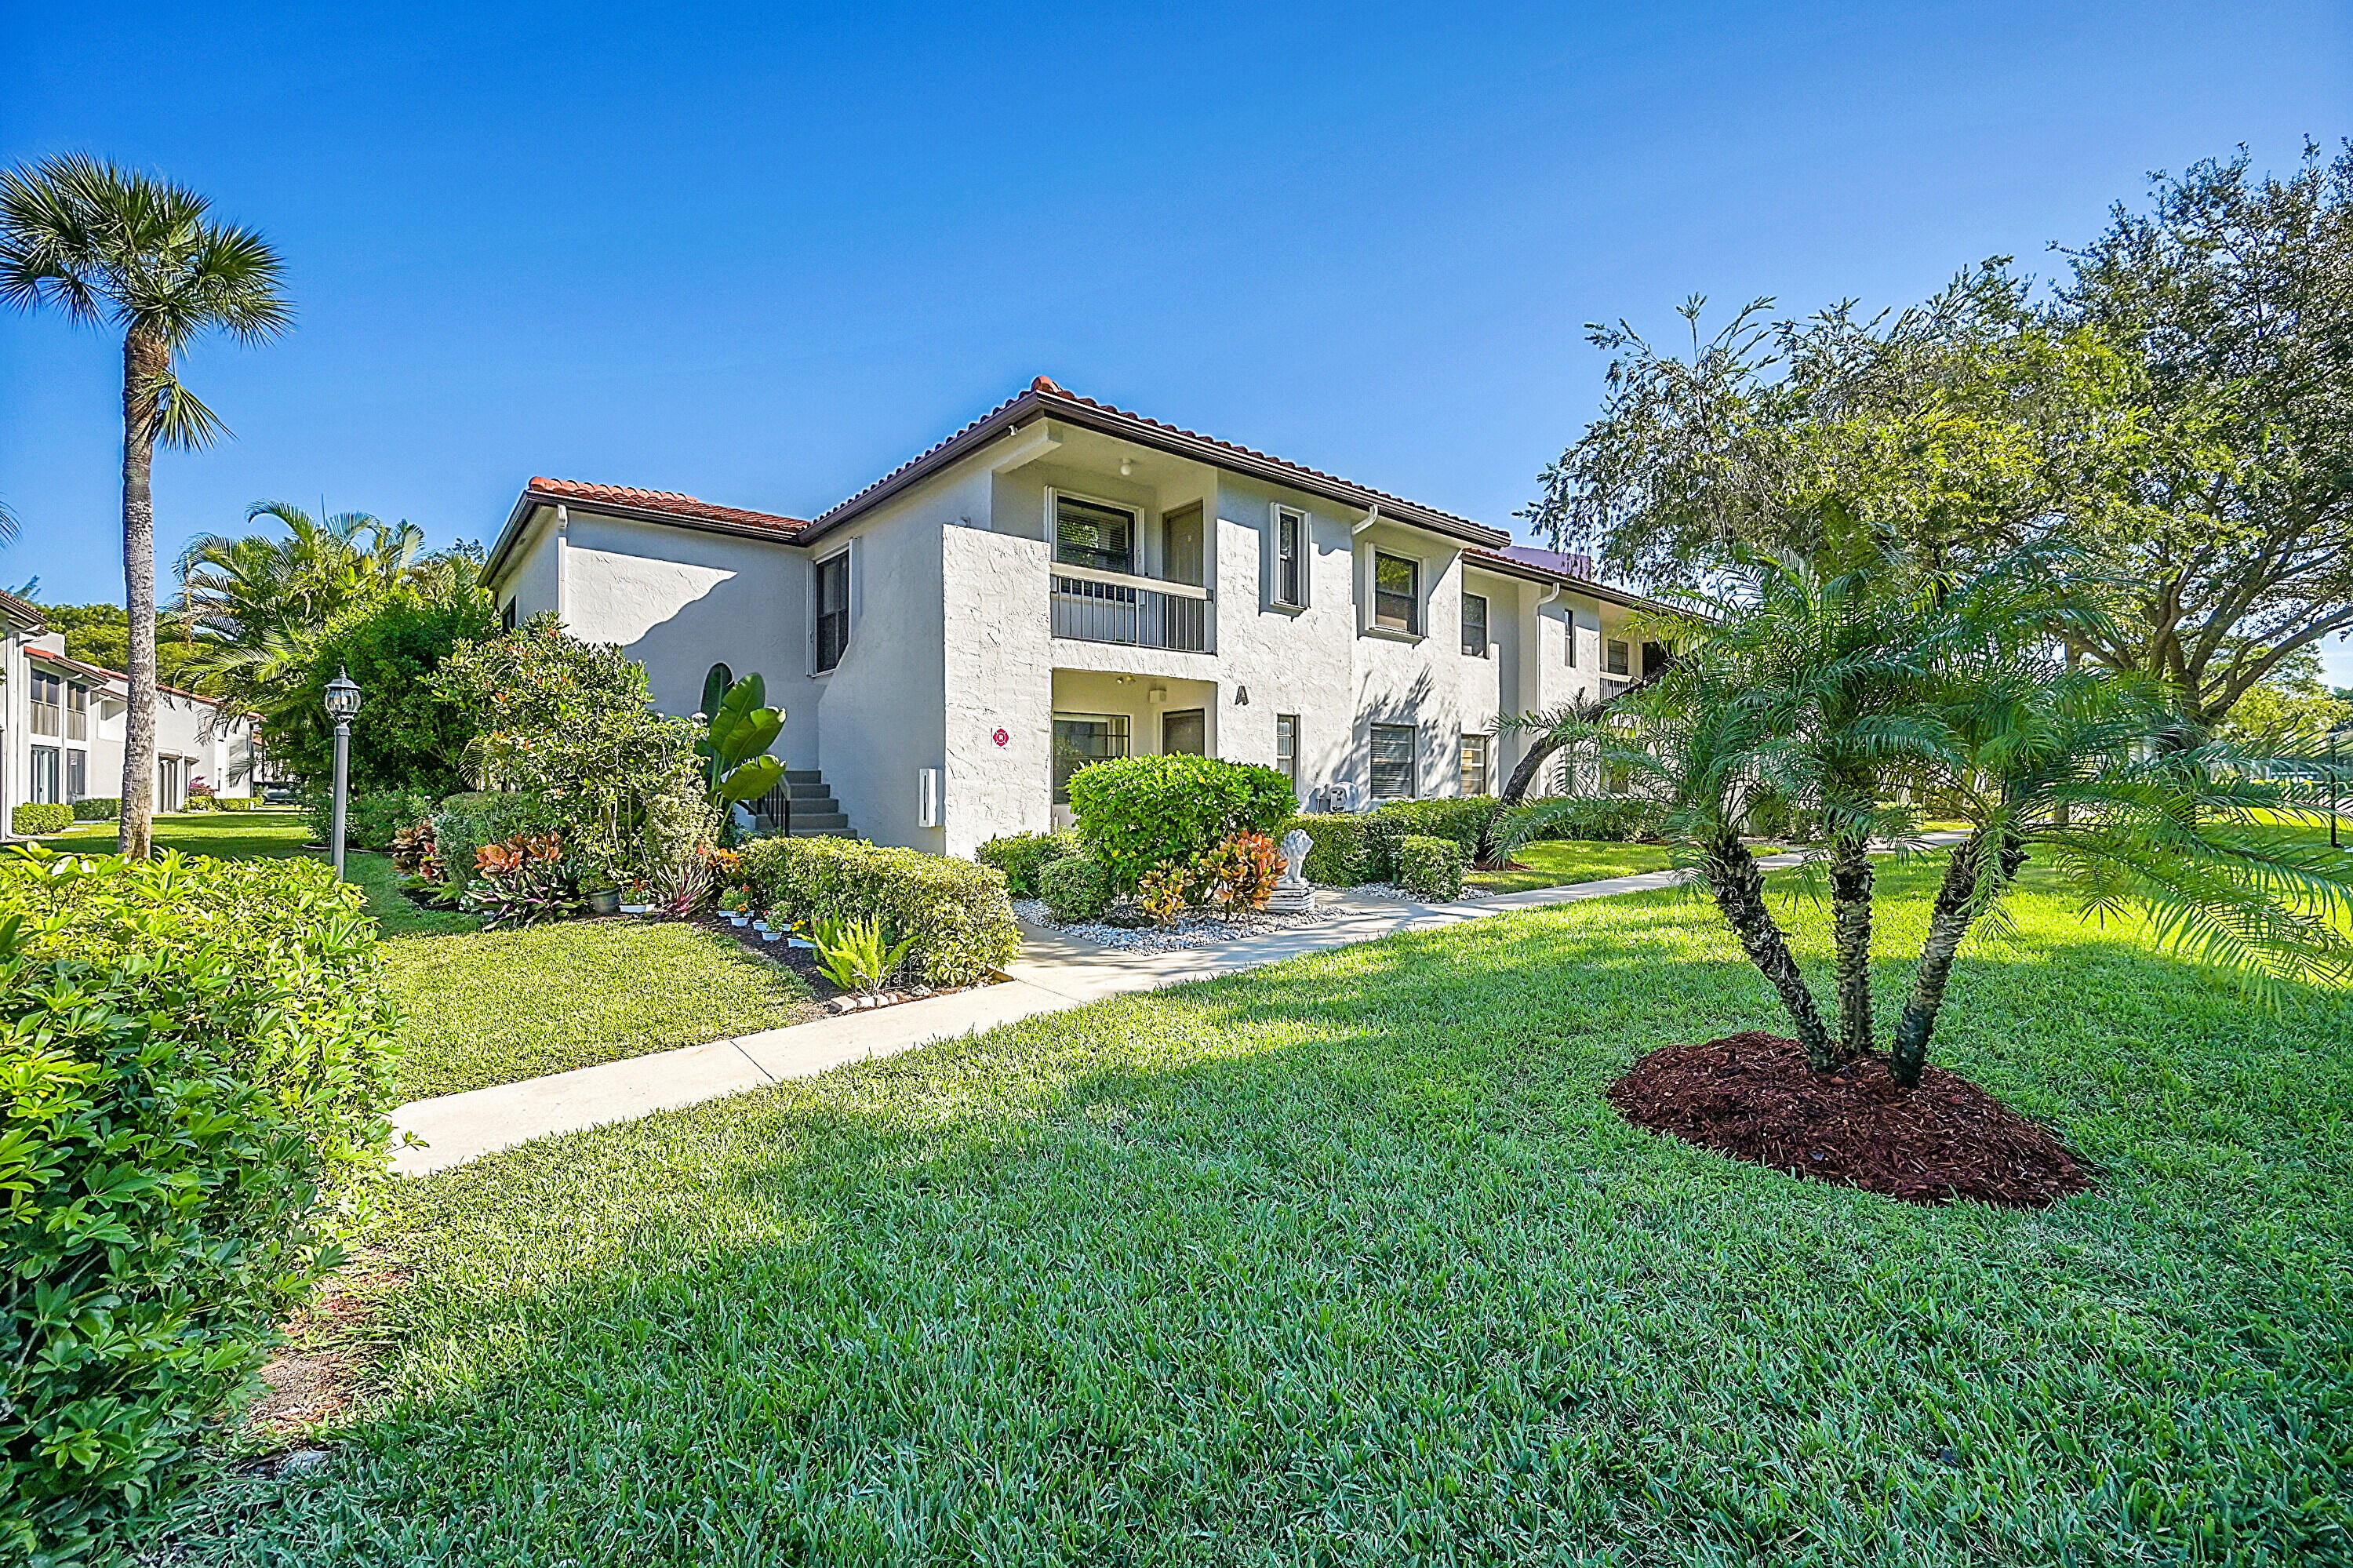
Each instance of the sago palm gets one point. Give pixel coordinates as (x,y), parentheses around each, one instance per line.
(106,245)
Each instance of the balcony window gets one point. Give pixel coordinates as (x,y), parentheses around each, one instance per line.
(1082,738)
(1474,763)
(1393,770)
(1396,594)
(1290,558)
(77,712)
(48,704)
(1474,625)
(832,609)
(1091,534)
(1616,650)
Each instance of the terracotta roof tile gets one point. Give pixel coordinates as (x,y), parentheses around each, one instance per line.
(669,502)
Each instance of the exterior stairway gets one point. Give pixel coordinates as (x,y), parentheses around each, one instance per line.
(802,805)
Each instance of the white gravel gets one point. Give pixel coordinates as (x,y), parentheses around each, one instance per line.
(1191,930)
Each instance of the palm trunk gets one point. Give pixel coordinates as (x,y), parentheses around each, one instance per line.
(1851,884)
(145,359)
(1524,775)
(1739,887)
(1959,903)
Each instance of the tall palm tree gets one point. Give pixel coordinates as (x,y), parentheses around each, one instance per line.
(109,245)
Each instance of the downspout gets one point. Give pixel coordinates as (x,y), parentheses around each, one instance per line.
(563,564)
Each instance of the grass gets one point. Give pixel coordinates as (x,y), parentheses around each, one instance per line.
(488,1007)
(1550,863)
(1346,1260)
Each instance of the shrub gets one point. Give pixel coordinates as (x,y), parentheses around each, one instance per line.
(1163,893)
(1603,819)
(1023,856)
(464,823)
(93,809)
(1238,874)
(523,882)
(959,911)
(233,802)
(196,1052)
(370,816)
(858,955)
(409,737)
(1075,888)
(1468,821)
(1431,867)
(1140,813)
(34,818)
(1338,858)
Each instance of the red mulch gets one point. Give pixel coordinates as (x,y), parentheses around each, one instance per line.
(1752,1096)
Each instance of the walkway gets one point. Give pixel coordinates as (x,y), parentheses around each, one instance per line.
(1053,973)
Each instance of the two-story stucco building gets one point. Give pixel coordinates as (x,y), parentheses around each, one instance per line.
(1062,580)
(62,726)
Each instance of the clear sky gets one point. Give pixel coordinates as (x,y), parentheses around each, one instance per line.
(763,254)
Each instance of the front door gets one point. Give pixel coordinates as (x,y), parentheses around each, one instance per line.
(1187,731)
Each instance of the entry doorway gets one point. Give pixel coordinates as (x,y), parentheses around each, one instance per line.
(1186,731)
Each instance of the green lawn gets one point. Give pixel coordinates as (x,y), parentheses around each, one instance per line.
(1346,1260)
(487,1007)
(1552,861)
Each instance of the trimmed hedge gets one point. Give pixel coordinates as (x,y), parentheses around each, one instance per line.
(1022,856)
(196,1054)
(1431,867)
(96,809)
(1601,819)
(1141,813)
(1075,888)
(1338,858)
(958,912)
(370,816)
(1467,822)
(233,802)
(33,817)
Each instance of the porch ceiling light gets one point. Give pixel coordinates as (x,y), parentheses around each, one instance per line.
(1127,467)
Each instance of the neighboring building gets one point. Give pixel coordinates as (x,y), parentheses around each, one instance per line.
(1062,580)
(62,726)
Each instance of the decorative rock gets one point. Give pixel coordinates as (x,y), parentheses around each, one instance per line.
(1127,916)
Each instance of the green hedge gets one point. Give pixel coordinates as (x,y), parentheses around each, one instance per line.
(1021,856)
(958,912)
(1431,867)
(195,1054)
(1075,888)
(370,816)
(34,818)
(1338,858)
(1139,813)
(96,809)
(1467,822)
(233,802)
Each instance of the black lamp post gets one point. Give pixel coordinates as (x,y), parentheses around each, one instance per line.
(342,704)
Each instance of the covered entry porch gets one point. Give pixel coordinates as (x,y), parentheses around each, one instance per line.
(1101,714)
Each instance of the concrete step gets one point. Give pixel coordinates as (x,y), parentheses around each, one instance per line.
(813,789)
(820,821)
(803,776)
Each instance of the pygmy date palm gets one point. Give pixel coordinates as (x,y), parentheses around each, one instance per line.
(110,246)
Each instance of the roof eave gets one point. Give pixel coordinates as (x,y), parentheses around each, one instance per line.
(531,500)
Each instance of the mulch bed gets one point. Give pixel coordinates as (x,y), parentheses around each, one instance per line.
(781,953)
(1751,1096)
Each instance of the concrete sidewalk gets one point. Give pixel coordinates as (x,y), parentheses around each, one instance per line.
(1053,973)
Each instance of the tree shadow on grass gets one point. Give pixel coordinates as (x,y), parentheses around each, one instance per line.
(1346,1259)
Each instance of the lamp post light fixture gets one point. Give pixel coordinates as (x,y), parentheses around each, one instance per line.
(342,704)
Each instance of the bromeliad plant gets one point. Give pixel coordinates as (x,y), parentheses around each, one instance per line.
(522,882)
(858,955)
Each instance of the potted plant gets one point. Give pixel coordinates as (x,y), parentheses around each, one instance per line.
(736,904)
(635,898)
(760,924)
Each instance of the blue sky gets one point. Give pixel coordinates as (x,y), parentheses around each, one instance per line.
(763,254)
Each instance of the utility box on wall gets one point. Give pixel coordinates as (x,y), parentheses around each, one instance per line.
(927,797)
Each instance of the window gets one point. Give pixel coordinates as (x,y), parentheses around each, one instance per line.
(1082,739)
(1474,625)
(832,609)
(48,704)
(1617,665)
(44,776)
(1396,594)
(77,775)
(1185,733)
(1656,658)
(171,783)
(506,623)
(1474,765)
(1089,533)
(1568,637)
(1393,748)
(1286,749)
(1290,558)
(77,712)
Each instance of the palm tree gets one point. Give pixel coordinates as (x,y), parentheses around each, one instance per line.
(106,244)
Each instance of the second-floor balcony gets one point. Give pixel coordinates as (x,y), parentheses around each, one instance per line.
(1097,606)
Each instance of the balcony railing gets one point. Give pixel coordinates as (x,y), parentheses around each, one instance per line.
(1616,686)
(1111,607)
